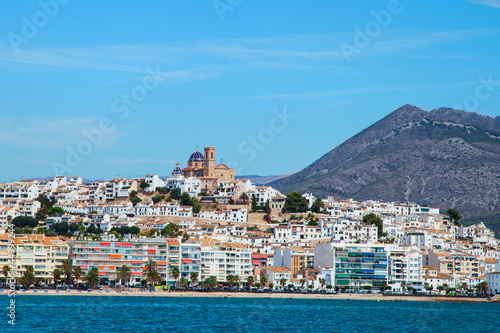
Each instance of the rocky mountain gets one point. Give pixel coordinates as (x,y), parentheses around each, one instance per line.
(445,158)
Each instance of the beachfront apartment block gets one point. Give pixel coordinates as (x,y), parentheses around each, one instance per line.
(454,261)
(221,259)
(109,256)
(294,258)
(356,266)
(43,253)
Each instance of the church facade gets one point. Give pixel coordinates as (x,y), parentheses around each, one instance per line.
(203,166)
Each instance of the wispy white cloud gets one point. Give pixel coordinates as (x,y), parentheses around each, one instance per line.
(491,3)
(46,133)
(185,59)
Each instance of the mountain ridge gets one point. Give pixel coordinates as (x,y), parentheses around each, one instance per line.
(443,157)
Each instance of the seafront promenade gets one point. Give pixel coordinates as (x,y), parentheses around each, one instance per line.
(326,296)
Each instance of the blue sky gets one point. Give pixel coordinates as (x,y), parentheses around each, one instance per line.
(273,85)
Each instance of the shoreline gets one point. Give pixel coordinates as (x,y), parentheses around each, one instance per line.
(190,294)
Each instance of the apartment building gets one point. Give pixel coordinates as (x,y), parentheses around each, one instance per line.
(44,254)
(108,256)
(222,259)
(452,261)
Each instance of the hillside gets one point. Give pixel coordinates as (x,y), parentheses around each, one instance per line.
(492,221)
(445,157)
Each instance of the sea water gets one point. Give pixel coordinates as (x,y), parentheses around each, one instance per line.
(228,315)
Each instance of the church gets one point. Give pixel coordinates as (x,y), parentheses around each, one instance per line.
(203,166)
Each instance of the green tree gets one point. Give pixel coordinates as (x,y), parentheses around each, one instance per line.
(295,202)
(55,211)
(322,281)
(254,203)
(67,270)
(230,280)
(183,282)
(263,281)
(24,221)
(175,274)
(132,194)
(144,185)
(244,197)
(157,198)
(92,277)
(302,282)
(56,274)
(151,273)
(135,200)
(77,273)
(455,216)
(42,213)
(318,205)
(250,281)
(171,230)
(374,219)
(28,277)
(282,282)
(185,199)
(175,193)
(185,237)
(193,277)
(195,204)
(123,273)
(5,271)
(210,283)
(482,287)
(163,190)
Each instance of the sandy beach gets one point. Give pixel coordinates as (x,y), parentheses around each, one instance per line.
(342,296)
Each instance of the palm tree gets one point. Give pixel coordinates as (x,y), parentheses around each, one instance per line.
(183,282)
(6,270)
(244,197)
(427,286)
(151,273)
(282,282)
(57,275)
(263,281)
(230,279)
(77,272)
(237,281)
(322,281)
(250,281)
(193,277)
(463,287)
(67,270)
(175,273)
(384,285)
(210,283)
(302,282)
(92,277)
(28,277)
(123,273)
(482,288)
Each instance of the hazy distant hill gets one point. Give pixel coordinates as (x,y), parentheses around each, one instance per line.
(261,180)
(444,157)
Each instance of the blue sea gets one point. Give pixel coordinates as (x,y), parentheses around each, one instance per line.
(192,315)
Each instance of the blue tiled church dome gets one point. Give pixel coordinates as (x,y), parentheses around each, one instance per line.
(196,157)
(177,170)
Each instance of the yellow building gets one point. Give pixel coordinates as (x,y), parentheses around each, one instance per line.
(44,254)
